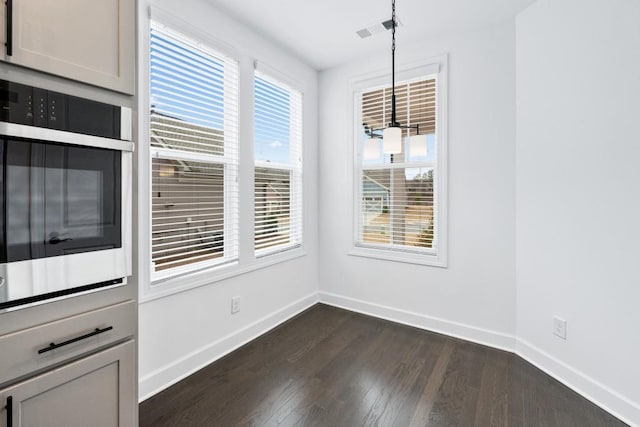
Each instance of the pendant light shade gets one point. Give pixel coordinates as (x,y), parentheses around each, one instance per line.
(392,140)
(418,146)
(371,149)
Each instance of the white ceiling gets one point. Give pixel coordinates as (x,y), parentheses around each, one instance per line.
(322,32)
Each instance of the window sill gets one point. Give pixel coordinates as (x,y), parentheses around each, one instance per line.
(169,286)
(399,256)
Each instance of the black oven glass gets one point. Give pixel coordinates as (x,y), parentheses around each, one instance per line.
(58,199)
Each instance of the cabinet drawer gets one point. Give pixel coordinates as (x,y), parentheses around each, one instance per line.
(31,349)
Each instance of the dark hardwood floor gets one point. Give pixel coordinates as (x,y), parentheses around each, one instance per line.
(331,367)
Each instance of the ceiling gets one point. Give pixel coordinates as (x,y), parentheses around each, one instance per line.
(323,32)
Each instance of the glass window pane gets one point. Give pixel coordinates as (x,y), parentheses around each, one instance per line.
(272,122)
(272,207)
(187,212)
(397,207)
(186,83)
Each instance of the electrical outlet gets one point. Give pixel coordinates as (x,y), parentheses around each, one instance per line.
(235,305)
(560,327)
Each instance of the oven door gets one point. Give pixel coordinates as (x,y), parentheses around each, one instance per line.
(60,199)
(62,217)
(82,199)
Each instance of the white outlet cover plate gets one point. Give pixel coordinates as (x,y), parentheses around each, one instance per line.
(235,305)
(560,327)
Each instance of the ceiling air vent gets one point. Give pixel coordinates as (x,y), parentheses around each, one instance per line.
(363,33)
(378,27)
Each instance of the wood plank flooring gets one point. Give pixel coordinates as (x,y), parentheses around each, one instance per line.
(331,367)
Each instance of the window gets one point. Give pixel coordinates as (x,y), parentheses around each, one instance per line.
(398,204)
(278,166)
(193,128)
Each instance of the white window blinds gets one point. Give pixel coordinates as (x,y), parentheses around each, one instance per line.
(398,200)
(194,154)
(278,166)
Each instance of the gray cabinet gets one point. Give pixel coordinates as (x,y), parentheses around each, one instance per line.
(95,391)
(78,370)
(89,41)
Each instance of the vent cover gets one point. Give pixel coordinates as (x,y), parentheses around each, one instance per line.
(378,27)
(363,33)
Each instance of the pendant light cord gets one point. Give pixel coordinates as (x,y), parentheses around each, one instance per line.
(393,63)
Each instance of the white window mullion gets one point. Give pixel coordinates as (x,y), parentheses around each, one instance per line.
(170,154)
(231,211)
(274,165)
(398,166)
(231,98)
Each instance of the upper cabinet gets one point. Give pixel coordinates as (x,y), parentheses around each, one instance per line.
(89,41)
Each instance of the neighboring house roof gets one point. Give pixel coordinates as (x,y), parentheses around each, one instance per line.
(375,183)
(177,134)
(274,189)
(171,132)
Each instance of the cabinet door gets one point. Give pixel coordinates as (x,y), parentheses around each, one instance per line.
(97,391)
(90,41)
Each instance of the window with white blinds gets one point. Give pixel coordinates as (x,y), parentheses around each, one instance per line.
(397,203)
(194,154)
(278,166)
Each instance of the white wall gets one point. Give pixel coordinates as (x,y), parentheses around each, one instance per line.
(185,331)
(578,187)
(475,296)
(572,210)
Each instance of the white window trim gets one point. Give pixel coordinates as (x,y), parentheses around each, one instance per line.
(247,262)
(213,274)
(435,66)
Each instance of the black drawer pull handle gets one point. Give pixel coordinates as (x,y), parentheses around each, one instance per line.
(9,408)
(53,345)
(9,39)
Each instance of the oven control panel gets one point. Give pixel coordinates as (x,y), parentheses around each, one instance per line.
(28,105)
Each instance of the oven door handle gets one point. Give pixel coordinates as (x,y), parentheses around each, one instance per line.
(60,136)
(55,240)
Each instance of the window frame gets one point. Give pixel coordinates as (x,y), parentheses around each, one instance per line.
(438,257)
(229,164)
(296,169)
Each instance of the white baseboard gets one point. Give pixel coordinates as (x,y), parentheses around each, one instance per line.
(598,393)
(179,369)
(474,334)
(608,399)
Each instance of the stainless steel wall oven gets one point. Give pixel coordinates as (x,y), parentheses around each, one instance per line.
(65,188)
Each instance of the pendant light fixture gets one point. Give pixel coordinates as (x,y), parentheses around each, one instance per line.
(391,135)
